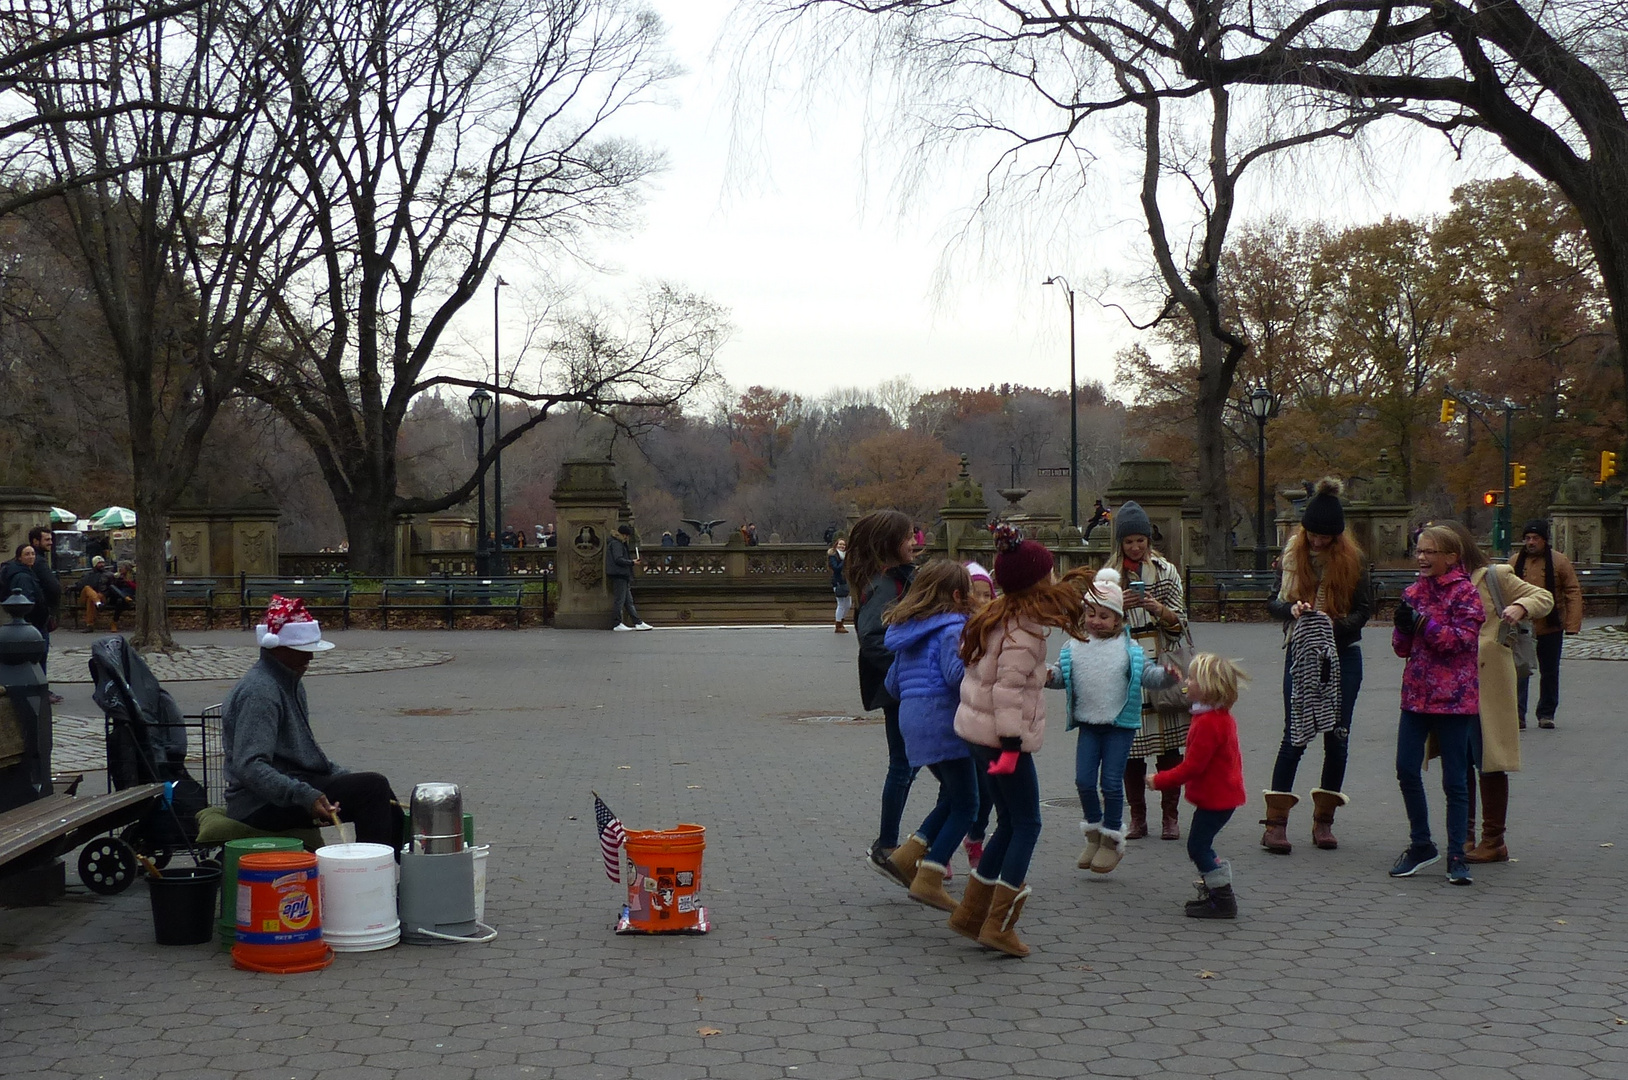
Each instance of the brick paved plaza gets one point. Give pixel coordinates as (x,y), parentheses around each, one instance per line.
(817,968)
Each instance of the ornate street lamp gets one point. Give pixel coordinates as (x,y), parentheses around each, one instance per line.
(480,407)
(1073,408)
(1261,404)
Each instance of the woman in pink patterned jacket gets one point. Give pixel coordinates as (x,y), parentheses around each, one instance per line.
(1438,626)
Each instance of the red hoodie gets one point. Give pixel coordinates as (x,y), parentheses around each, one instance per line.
(1213,770)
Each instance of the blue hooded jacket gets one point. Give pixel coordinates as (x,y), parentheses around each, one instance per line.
(926,678)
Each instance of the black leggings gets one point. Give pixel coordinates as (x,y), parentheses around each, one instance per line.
(364,798)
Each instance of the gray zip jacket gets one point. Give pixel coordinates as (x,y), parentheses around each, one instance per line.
(271,755)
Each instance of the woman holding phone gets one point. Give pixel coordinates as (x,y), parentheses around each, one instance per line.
(1156,615)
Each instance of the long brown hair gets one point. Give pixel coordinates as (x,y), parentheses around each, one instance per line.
(873,546)
(1470,555)
(1049,603)
(1342,572)
(933,592)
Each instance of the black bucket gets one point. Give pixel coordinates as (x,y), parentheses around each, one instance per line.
(184,904)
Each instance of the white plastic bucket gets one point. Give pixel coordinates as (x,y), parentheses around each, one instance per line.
(482,851)
(358,897)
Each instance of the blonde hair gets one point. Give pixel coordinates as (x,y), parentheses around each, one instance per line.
(1446,540)
(1214,680)
(933,592)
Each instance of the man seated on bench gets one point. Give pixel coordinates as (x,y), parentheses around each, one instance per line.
(277,777)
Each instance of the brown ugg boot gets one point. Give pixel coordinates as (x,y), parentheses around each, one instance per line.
(970,913)
(1136,797)
(1494,811)
(1093,841)
(1000,929)
(840,628)
(1276,837)
(1324,803)
(1169,801)
(901,865)
(928,887)
(1109,852)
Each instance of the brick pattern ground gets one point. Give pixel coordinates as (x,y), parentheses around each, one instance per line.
(208,662)
(819,970)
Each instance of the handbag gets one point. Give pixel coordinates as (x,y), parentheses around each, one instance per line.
(1172,700)
(1518,638)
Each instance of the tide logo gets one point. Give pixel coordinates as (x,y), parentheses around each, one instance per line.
(295,909)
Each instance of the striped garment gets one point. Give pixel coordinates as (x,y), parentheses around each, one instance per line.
(1161,732)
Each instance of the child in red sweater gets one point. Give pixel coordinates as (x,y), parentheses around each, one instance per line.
(1213,773)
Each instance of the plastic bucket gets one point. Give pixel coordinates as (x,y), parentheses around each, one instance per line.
(235,850)
(664,892)
(358,897)
(184,904)
(279,914)
(481,854)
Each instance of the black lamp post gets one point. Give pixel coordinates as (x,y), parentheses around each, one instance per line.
(498,560)
(1073,408)
(480,407)
(1262,405)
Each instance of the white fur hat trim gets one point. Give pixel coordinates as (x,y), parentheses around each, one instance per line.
(304,636)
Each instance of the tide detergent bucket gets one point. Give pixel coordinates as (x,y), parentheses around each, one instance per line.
(235,850)
(279,914)
(664,891)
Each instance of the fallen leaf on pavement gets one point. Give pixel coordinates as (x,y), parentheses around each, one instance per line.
(1206,974)
(710,1031)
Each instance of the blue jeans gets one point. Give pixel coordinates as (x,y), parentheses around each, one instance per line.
(1017,826)
(986,802)
(945,827)
(1099,760)
(1201,836)
(1336,743)
(1549,646)
(896,787)
(1453,737)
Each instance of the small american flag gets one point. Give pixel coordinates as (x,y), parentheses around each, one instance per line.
(611,838)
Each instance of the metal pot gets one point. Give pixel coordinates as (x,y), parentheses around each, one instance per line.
(437,819)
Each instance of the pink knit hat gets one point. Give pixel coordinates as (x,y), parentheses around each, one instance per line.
(977,573)
(1105,591)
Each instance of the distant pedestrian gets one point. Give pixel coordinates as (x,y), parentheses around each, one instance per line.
(92,590)
(1003,715)
(43,541)
(682,539)
(1213,773)
(878,569)
(1540,564)
(667,540)
(1438,626)
(619,563)
(1099,516)
(835,556)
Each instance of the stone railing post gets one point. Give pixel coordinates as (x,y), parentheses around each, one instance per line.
(1577,517)
(1377,515)
(20,510)
(964,512)
(588,502)
(1153,484)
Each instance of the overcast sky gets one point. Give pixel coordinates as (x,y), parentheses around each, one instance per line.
(830,284)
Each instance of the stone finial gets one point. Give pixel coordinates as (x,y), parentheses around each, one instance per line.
(1386,486)
(1577,489)
(964,491)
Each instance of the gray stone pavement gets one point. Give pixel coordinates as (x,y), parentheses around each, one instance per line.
(818,968)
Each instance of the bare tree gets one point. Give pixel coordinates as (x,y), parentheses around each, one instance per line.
(429,134)
(181,253)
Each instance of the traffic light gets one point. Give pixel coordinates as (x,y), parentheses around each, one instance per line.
(1517,475)
(1449,410)
(1608,465)
(1490,498)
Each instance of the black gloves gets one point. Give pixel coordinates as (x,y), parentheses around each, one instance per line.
(1406,619)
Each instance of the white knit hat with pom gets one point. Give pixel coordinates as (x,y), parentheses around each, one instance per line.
(1105,591)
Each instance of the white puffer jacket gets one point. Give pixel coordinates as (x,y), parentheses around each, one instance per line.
(1001,694)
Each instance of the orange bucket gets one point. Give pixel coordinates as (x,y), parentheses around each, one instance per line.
(279,914)
(664,892)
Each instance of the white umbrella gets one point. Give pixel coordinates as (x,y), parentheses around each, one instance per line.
(60,516)
(113,517)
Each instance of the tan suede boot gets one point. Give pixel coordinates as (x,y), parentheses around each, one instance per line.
(928,887)
(1276,837)
(1093,841)
(902,863)
(1000,929)
(1324,803)
(973,909)
(1111,850)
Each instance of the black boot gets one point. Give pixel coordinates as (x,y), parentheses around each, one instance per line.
(1216,901)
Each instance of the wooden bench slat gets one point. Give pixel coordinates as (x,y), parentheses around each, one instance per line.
(38,823)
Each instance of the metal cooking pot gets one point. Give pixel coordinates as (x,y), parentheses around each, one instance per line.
(437,819)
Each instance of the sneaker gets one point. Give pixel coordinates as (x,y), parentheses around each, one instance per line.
(643,626)
(1415,859)
(975,852)
(1546,722)
(877,857)
(1458,873)
(622,626)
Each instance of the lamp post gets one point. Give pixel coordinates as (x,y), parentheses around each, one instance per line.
(480,407)
(1073,408)
(498,559)
(1262,405)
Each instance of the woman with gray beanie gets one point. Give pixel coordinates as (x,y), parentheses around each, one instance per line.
(1156,616)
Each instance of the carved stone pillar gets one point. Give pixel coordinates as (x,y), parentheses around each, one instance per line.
(1152,483)
(1577,517)
(588,502)
(964,513)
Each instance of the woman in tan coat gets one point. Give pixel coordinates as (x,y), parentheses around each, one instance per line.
(1495,744)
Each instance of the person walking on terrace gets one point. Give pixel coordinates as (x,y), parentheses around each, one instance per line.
(1540,564)
(619,563)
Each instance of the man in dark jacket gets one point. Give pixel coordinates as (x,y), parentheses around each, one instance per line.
(42,540)
(619,564)
(1540,564)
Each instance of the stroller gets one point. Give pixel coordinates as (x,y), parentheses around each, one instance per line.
(147,742)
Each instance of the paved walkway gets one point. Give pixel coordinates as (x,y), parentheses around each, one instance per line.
(817,969)
(208,662)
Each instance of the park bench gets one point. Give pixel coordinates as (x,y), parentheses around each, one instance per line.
(33,834)
(193,595)
(1604,583)
(413,593)
(1219,588)
(331,593)
(484,596)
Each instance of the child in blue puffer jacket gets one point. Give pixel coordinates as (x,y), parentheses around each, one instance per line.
(924,634)
(1103,672)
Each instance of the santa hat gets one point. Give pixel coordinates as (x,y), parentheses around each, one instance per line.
(1019,564)
(288,625)
(1105,591)
(977,573)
